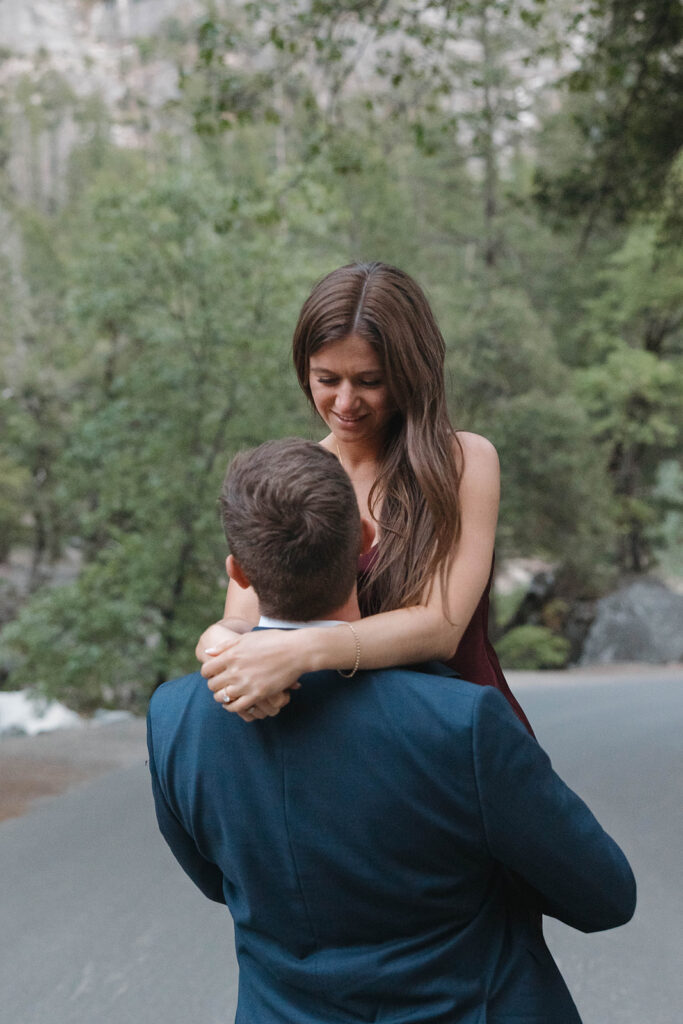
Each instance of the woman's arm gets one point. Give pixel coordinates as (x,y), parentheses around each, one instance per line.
(432,630)
(258,666)
(240,616)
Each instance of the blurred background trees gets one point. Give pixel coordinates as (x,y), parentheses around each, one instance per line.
(521,160)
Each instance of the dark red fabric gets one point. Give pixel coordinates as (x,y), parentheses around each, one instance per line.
(475,659)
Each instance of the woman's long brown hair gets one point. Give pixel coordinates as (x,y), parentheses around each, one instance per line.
(416,489)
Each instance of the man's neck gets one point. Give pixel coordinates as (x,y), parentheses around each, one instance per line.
(348,612)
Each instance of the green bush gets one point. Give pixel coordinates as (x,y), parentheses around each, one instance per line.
(532,647)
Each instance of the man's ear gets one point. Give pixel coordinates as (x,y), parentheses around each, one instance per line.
(236,573)
(367,535)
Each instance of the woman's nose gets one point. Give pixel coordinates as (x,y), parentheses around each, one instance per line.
(346,397)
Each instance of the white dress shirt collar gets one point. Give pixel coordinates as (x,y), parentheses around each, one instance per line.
(265,622)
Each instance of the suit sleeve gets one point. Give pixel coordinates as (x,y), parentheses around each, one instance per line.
(538,827)
(204,873)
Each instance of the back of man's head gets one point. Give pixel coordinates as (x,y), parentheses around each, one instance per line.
(291,519)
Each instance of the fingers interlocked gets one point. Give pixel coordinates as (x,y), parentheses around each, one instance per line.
(242,683)
(265,708)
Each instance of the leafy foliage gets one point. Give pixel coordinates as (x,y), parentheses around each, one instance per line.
(626,103)
(177,323)
(146,304)
(532,647)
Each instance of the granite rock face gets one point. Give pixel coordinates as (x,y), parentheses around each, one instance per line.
(90,44)
(56,55)
(78,26)
(640,622)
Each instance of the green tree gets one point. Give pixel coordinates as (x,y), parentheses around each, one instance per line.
(147,303)
(633,391)
(36,382)
(181,317)
(625,101)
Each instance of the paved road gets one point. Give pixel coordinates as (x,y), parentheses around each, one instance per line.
(620,745)
(99,926)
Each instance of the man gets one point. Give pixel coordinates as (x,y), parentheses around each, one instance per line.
(386,843)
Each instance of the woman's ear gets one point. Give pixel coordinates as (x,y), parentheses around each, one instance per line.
(367,534)
(236,573)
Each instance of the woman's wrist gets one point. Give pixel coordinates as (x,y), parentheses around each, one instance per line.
(310,649)
(328,648)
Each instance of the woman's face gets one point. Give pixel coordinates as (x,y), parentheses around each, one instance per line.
(348,386)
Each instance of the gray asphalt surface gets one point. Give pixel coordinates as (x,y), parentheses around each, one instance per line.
(100,925)
(619,744)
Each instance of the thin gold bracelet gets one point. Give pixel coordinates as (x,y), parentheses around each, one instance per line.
(348,675)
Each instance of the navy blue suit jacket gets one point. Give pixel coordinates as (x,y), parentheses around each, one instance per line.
(384,845)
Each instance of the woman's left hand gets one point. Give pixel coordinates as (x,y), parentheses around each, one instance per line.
(254,671)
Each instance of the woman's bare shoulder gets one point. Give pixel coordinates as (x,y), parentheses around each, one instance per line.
(475,454)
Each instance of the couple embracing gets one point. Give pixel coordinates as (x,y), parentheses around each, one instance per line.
(386,838)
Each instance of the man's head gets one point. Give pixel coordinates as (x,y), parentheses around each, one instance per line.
(291,519)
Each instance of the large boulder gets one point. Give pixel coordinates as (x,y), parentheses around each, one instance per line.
(640,622)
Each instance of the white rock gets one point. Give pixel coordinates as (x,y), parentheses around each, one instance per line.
(24,715)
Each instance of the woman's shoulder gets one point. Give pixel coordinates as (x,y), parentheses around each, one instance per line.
(475,454)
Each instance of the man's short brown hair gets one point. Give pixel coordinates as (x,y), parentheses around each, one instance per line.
(291,519)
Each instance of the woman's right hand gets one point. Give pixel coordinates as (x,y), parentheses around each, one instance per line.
(215,636)
(252,674)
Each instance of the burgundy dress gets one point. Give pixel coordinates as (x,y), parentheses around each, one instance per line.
(475,658)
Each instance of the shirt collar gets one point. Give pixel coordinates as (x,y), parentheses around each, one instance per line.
(265,622)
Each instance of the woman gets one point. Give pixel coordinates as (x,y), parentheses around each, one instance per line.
(370,357)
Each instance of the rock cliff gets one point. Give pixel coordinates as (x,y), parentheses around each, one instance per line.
(55,55)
